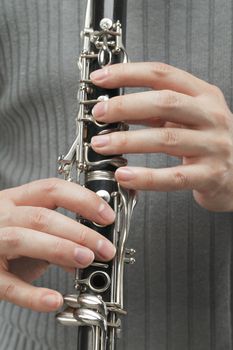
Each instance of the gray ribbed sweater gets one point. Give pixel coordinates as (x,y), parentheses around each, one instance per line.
(179,292)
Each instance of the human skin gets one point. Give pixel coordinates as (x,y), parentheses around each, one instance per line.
(182,116)
(33,235)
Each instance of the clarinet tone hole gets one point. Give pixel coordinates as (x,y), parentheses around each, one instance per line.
(99,281)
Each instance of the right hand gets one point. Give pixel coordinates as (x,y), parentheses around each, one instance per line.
(32,235)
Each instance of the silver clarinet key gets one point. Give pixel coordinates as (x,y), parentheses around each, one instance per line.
(96,305)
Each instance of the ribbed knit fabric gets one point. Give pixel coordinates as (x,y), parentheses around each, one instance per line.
(179,292)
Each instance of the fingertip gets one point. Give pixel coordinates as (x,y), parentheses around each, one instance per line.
(106,213)
(106,250)
(51,301)
(127,178)
(99,75)
(125,174)
(83,256)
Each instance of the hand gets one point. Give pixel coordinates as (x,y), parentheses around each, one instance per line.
(32,235)
(188,118)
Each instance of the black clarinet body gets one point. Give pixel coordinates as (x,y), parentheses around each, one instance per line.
(97,306)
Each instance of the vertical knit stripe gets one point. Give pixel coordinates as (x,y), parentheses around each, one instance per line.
(7,58)
(13,66)
(28,136)
(8,335)
(61,72)
(41,54)
(3,329)
(34,110)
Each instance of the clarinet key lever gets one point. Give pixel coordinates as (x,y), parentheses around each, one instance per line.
(96,305)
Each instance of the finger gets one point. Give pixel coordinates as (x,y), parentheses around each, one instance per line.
(18,292)
(169,179)
(158,106)
(53,193)
(56,224)
(155,75)
(156,123)
(39,245)
(172,141)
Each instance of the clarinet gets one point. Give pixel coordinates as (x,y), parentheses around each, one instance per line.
(96,306)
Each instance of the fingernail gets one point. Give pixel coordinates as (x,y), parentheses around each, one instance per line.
(106,249)
(99,74)
(83,256)
(100,141)
(106,213)
(99,110)
(125,174)
(52,300)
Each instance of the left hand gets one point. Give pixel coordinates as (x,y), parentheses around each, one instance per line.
(187,118)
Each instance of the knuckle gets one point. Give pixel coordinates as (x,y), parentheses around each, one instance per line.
(7,291)
(225,147)
(219,174)
(58,250)
(49,186)
(46,186)
(216,182)
(82,236)
(168,99)
(169,137)
(149,179)
(39,219)
(118,105)
(27,189)
(30,300)
(121,139)
(160,69)
(223,119)
(215,90)
(181,180)
(10,237)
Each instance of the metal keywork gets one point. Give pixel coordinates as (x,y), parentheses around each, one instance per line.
(97,304)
